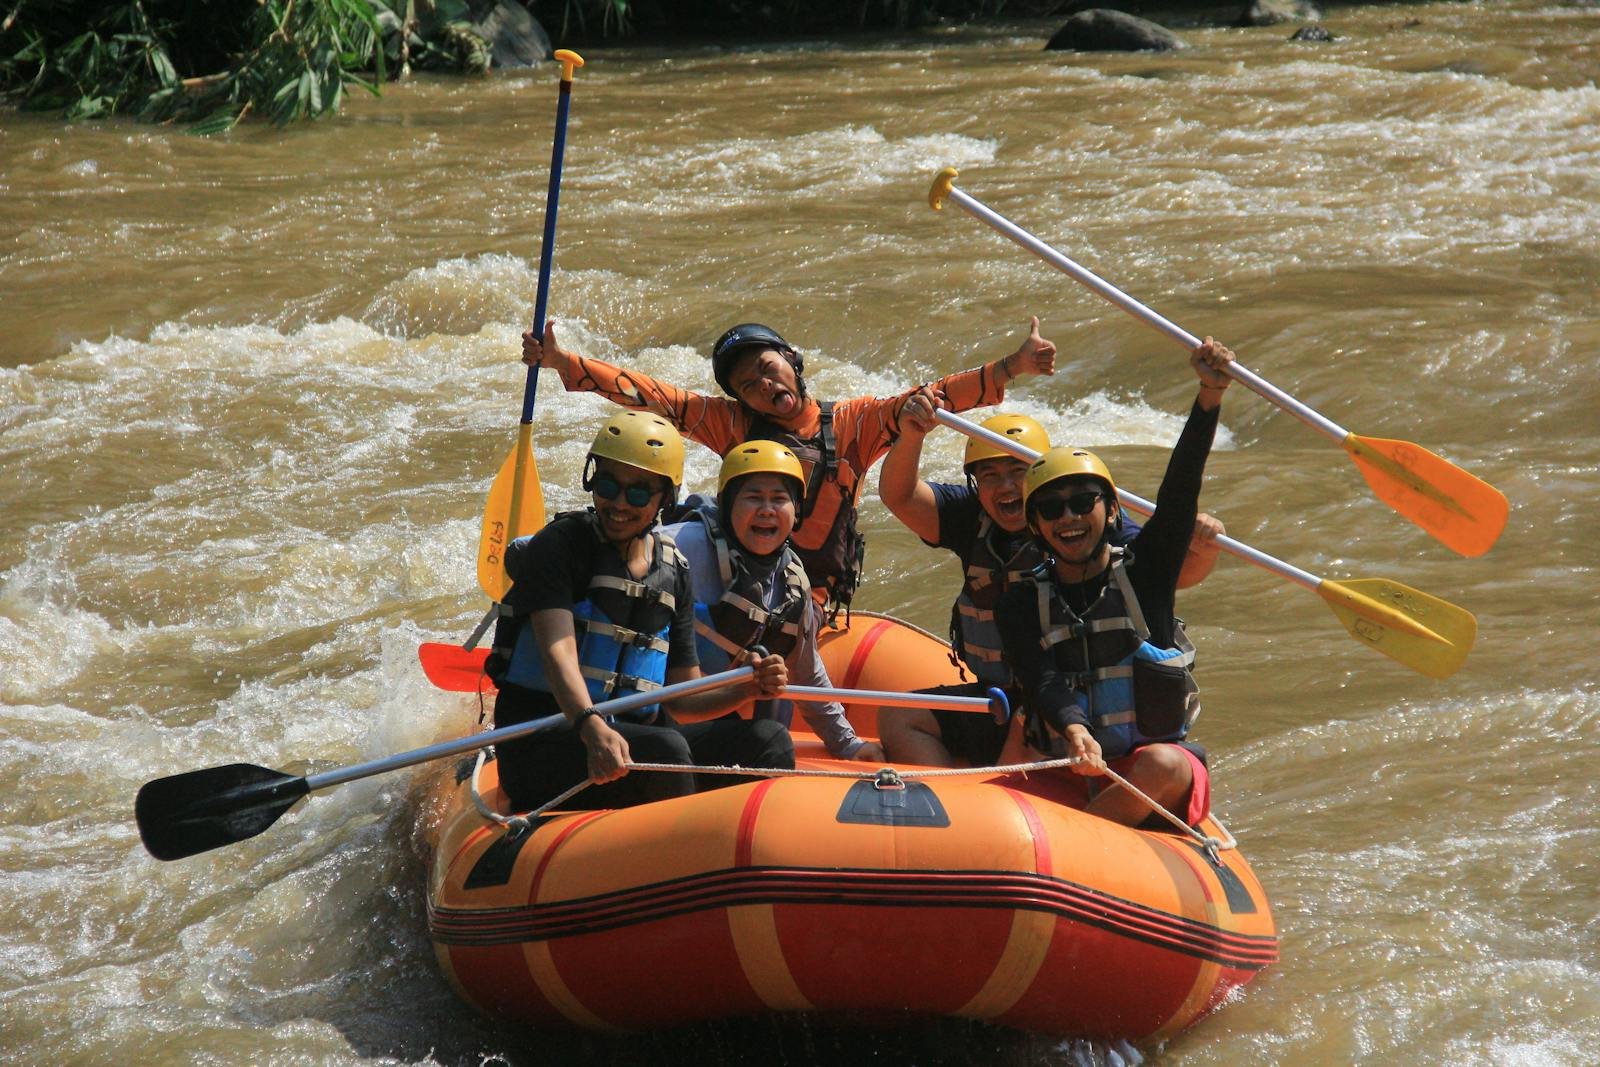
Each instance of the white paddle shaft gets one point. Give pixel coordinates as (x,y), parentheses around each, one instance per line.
(1133,502)
(980,211)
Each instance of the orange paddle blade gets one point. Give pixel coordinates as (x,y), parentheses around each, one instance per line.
(1464,512)
(455,669)
(515,509)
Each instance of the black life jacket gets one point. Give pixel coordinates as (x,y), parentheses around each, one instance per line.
(739,619)
(974,634)
(826,539)
(1133,692)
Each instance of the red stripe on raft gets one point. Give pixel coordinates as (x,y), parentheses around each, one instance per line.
(858,661)
(549,853)
(747,822)
(1041,840)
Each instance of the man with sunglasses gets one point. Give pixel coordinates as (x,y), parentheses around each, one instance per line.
(600,607)
(1090,635)
(837,442)
(751,589)
(983,524)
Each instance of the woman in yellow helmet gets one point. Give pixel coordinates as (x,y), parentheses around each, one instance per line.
(751,589)
(601,607)
(1090,636)
(982,522)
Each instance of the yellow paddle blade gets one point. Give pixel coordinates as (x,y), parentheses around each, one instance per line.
(1462,511)
(1429,635)
(515,509)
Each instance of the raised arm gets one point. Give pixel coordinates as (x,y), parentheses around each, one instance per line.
(707,419)
(904,493)
(986,384)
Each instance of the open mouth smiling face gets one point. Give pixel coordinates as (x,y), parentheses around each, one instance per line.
(1072,537)
(762,513)
(999,484)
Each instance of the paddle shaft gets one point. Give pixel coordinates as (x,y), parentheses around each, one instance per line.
(980,211)
(1134,502)
(547,248)
(473,742)
(995,704)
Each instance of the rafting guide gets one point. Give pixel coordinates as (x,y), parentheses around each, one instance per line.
(837,441)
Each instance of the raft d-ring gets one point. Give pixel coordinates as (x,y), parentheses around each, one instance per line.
(888,778)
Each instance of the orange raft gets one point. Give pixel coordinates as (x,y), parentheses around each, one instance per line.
(977,896)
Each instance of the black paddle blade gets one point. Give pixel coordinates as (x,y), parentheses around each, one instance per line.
(201,810)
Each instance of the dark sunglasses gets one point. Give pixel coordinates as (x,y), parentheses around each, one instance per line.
(1050,508)
(637,495)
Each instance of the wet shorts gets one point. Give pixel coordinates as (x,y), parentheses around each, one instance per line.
(969,736)
(1199,802)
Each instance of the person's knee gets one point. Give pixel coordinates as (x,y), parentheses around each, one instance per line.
(660,746)
(1162,767)
(771,742)
(902,723)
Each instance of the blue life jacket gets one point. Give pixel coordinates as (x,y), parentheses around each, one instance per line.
(973,632)
(739,619)
(1133,692)
(622,628)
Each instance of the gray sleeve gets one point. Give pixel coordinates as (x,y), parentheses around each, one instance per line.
(827,721)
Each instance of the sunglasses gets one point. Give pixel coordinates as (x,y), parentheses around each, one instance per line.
(1050,508)
(637,495)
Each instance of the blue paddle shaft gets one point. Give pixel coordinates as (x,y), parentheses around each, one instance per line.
(558,151)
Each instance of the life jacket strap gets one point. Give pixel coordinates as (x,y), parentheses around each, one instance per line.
(637,590)
(710,634)
(611,681)
(622,635)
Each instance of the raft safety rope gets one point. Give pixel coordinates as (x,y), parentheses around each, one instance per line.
(884,778)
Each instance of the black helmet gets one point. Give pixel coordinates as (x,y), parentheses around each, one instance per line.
(725,353)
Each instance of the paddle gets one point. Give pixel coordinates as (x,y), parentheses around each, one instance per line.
(516,499)
(201,810)
(995,704)
(459,670)
(1427,634)
(455,669)
(1462,511)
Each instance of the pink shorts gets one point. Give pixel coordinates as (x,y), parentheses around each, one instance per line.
(1199,800)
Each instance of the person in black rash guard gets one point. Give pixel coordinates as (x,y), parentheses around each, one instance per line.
(602,607)
(982,523)
(1090,635)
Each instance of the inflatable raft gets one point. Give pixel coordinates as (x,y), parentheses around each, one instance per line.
(982,896)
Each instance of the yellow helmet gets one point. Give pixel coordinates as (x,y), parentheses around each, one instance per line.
(1065,462)
(642,439)
(1019,428)
(761,457)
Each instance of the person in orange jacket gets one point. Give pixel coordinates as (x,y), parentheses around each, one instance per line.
(837,442)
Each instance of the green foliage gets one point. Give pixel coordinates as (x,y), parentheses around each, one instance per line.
(213,62)
(606,18)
